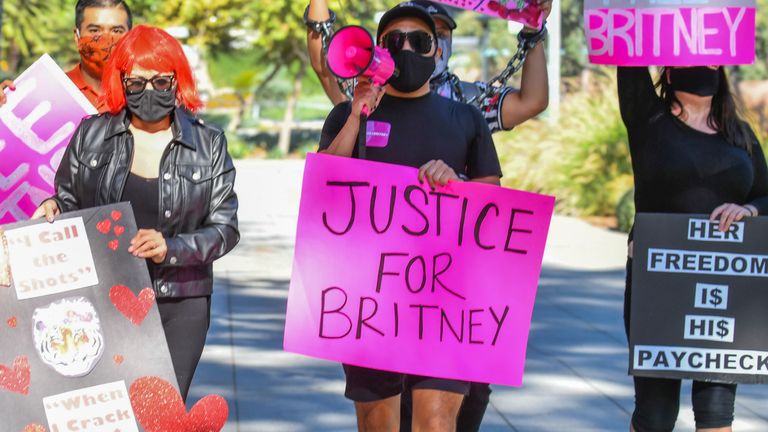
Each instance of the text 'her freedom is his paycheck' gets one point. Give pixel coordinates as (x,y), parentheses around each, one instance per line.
(381,259)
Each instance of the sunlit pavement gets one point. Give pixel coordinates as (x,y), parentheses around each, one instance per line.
(576,373)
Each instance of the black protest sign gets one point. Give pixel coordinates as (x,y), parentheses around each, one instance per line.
(79,324)
(698,299)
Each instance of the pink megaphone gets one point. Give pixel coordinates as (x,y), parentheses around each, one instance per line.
(353,53)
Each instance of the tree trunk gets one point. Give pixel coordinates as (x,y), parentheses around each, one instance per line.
(237,120)
(284,142)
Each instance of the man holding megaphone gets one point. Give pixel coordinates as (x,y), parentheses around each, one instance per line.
(447,141)
(504,107)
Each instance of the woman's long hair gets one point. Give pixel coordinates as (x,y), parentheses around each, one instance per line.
(724,114)
(153,49)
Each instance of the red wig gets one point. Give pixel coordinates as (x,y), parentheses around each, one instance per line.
(153,49)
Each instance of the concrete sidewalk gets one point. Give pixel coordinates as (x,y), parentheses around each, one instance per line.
(576,371)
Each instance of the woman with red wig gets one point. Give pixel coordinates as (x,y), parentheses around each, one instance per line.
(176,172)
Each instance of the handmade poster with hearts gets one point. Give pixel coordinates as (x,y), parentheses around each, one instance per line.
(80,302)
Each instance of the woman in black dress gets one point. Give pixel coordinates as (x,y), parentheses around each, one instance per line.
(691,153)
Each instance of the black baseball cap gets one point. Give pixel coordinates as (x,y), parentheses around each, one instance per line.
(437,11)
(409,9)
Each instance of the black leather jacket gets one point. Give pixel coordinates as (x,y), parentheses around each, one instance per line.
(198,205)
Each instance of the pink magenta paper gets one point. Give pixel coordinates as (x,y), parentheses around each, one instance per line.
(340,272)
(35,127)
(504,9)
(713,32)
(377,133)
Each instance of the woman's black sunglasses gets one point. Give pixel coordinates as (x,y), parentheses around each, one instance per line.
(420,41)
(135,85)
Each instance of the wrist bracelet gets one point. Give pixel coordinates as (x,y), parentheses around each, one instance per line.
(318,26)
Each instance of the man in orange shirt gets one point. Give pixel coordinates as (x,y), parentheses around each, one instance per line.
(99,24)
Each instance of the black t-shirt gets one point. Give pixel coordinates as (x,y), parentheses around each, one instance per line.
(679,169)
(414,131)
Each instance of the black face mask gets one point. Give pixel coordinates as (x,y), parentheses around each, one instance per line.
(414,71)
(151,105)
(700,80)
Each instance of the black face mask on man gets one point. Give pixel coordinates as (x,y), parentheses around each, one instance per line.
(414,70)
(151,105)
(700,80)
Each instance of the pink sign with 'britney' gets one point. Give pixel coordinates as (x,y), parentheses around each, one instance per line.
(670,32)
(35,127)
(390,274)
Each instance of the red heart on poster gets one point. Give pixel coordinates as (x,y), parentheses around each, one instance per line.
(132,307)
(32,427)
(113,244)
(116,215)
(119,230)
(208,415)
(159,408)
(16,378)
(104,226)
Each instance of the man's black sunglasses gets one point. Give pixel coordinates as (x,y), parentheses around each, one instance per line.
(420,41)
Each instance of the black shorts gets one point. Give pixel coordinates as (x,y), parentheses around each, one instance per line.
(370,385)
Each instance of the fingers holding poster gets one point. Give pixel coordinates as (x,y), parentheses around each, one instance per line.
(670,33)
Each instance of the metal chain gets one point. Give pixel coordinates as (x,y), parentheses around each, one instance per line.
(497,83)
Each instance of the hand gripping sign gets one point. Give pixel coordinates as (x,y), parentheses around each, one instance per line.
(392,275)
(35,127)
(670,32)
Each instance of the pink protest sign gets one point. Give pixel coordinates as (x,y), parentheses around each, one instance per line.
(522,11)
(670,32)
(391,275)
(35,127)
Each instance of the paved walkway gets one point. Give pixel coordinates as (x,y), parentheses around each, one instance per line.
(577,357)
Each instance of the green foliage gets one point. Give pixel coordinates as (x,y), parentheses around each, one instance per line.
(583,160)
(30,28)
(210,22)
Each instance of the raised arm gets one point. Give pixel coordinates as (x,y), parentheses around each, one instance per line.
(533,96)
(319,20)
(637,96)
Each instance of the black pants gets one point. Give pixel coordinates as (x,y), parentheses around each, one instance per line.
(470,415)
(185,321)
(657,403)
(657,400)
